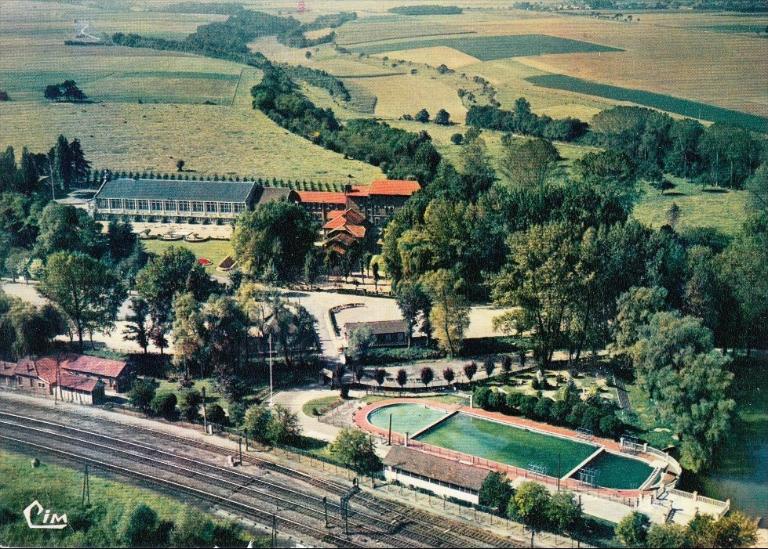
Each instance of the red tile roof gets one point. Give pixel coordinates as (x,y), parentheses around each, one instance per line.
(94,365)
(394,187)
(339,218)
(322,197)
(45,369)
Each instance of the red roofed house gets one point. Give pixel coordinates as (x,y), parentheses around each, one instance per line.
(377,201)
(381,199)
(44,376)
(345,230)
(114,374)
(321,203)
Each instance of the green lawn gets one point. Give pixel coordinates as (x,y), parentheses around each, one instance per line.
(667,103)
(322,405)
(698,208)
(488,48)
(213,250)
(59,489)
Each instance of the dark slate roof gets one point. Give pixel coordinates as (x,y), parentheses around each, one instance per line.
(161,189)
(436,468)
(379,326)
(274,194)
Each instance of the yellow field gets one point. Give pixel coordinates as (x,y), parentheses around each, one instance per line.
(398,95)
(452,58)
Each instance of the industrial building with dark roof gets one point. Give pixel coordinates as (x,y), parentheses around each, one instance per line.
(181,201)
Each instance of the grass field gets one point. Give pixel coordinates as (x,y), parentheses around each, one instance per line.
(118,132)
(487,48)
(58,488)
(214,250)
(721,210)
(667,103)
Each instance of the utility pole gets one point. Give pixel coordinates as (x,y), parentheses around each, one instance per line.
(205,419)
(270,368)
(558,471)
(240,448)
(86,497)
(274,530)
(325,510)
(389,437)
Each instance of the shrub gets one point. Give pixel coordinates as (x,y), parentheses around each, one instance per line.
(543,409)
(481,397)
(215,414)
(164,405)
(457,139)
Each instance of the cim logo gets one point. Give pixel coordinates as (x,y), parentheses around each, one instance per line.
(51,521)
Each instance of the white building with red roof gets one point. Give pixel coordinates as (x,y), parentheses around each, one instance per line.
(48,377)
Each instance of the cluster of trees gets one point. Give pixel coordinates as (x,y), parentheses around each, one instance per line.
(719,155)
(26,329)
(595,413)
(296,38)
(400,154)
(276,425)
(533,505)
(442,118)
(356,450)
(210,324)
(522,120)
(66,91)
(732,530)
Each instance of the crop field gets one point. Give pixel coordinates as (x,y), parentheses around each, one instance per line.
(488,48)
(450,57)
(667,103)
(407,93)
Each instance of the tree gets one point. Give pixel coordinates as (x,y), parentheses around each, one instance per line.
(188,333)
(142,393)
(450,312)
(634,310)
(688,382)
(443,118)
(360,341)
(540,278)
(668,536)
(530,504)
(565,513)
(422,116)
(412,301)
(495,491)
(449,375)
(64,228)
(489,366)
(457,139)
(256,423)
(284,426)
(673,215)
(84,289)
(356,450)
(274,240)
(52,92)
(632,530)
(4,96)
(180,165)
(470,369)
(757,187)
(137,328)
(215,414)
(225,336)
(141,527)
(606,166)
(190,405)
(662,184)
(427,374)
(529,162)
(164,405)
(401,378)
(379,374)
(734,530)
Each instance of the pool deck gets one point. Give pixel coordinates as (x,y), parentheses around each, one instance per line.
(361,421)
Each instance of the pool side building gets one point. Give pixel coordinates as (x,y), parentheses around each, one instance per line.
(181,201)
(443,477)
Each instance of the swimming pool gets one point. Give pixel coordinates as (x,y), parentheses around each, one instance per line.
(406,418)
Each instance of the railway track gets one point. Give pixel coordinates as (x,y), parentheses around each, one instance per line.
(387,522)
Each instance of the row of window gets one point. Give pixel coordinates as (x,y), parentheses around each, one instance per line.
(170,205)
(433,480)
